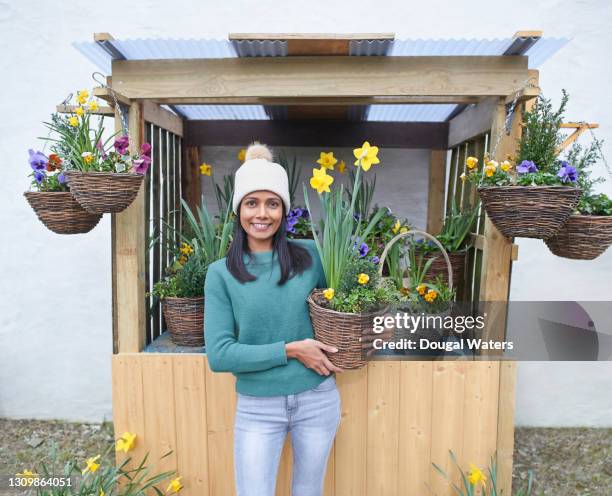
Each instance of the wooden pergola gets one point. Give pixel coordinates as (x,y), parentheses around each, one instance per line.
(398,417)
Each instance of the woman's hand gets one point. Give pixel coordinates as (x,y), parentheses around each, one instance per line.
(310,353)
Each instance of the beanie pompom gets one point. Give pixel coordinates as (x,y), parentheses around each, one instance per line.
(257,150)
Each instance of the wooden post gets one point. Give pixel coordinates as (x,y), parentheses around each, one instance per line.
(435,199)
(128,245)
(190,177)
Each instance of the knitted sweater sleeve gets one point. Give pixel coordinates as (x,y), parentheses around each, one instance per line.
(225,353)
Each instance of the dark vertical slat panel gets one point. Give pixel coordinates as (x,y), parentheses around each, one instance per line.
(156,263)
(177,187)
(148,285)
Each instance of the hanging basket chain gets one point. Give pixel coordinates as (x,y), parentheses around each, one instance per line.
(122,115)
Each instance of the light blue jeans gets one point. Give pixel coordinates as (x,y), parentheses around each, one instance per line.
(260,429)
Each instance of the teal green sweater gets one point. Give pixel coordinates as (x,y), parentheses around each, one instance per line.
(246,325)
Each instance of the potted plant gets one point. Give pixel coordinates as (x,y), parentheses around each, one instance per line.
(181,292)
(387,227)
(588,231)
(534,195)
(341,313)
(298,218)
(50,197)
(102,179)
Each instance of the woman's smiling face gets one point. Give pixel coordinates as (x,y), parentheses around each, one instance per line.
(261,213)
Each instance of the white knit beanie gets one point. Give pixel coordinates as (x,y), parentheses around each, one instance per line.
(259,173)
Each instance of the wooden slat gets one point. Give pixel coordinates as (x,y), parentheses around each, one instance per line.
(450,190)
(317,47)
(415,428)
(383,421)
(70,109)
(155,213)
(471,122)
(351,439)
(283,479)
(129,257)
(191,428)
(505,425)
(148,233)
(183,79)
(163,118)
(435,198)
(190,180)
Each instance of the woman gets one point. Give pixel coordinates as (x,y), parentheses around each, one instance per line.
(257,326)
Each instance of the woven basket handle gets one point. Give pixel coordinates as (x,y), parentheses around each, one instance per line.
(381,263)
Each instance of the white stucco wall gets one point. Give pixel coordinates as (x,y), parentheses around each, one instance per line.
(55,310)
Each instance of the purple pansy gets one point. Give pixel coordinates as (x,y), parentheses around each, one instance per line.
(39,176)
(145,149)
(526,166)
(363,250)
(101,149)
(122,144)
(61,178)
(375,260)
(567,173)
(38,160)
(141,165)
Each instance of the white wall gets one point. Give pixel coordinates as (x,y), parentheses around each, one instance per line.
(55,321)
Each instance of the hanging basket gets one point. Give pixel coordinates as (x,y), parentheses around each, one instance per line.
(438,266)
(445,266)
(583,237)
(529,211)
(60,212)
(104,192)
(341,330)
(185,320)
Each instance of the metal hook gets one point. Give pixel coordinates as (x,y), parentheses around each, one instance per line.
(94,76)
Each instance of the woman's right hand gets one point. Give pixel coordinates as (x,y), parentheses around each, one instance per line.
(310,353)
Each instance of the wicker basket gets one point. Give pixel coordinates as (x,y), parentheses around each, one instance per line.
(342,330)
(438,266)
(60,212)
(104,192)
(583,237)
(529,211)
(185,320)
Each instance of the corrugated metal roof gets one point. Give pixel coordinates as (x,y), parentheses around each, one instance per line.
(162,48)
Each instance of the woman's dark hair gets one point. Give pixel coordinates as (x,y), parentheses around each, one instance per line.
(293,259)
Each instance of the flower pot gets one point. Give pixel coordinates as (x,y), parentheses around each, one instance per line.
(104,192)
(185,320)
(438,266)
(341,330)
(60,212)
(529,211)
(582,237)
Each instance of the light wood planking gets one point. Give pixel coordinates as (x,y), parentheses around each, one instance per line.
(283,480)
(323,76)
(505,425)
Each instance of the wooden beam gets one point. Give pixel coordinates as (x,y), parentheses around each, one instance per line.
(580,127)
(129,254)
(314,101)
(531,91)
(471,122)
(163,118)
(70,109)
(429,135)
(478,242)
(435,198)
(256,77)
(190,176)
(311,36)
(104,94)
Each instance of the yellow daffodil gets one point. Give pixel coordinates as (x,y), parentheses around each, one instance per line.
(93,106)
(102,493)
(175,486)
(463,177)
(363,278)
(430,296)
(242,155)
(505,166)
(327,160)
(92,466)
(476,475)
(421,288)
(73,121)
(396,227)
(206,169)
(126,442)
(186,249)
(329,293)
(79,111)
(27,473)
(320,180)
(366,156)
(341,167)
(87,157)
(471,162)
(403,230)
(82,96)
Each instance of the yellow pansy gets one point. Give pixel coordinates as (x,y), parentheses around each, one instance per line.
(242,155)
(320,180)
(366,156)
(327,160)
(471,162)
(92,466)
(82,96)
(421,288)
(79,111)
(186,249)
(87,157)
(403,230)
(102,493)
(405,291)
(491,163)
(463,177)
(396,227)
(73,121)
(175,486)
(363,278)
(206,169)
(489,170)
(505,166)
(430,296)
(93,106)
(125,442)
(476,475)
(182,260)
(329,293)
(341,167)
